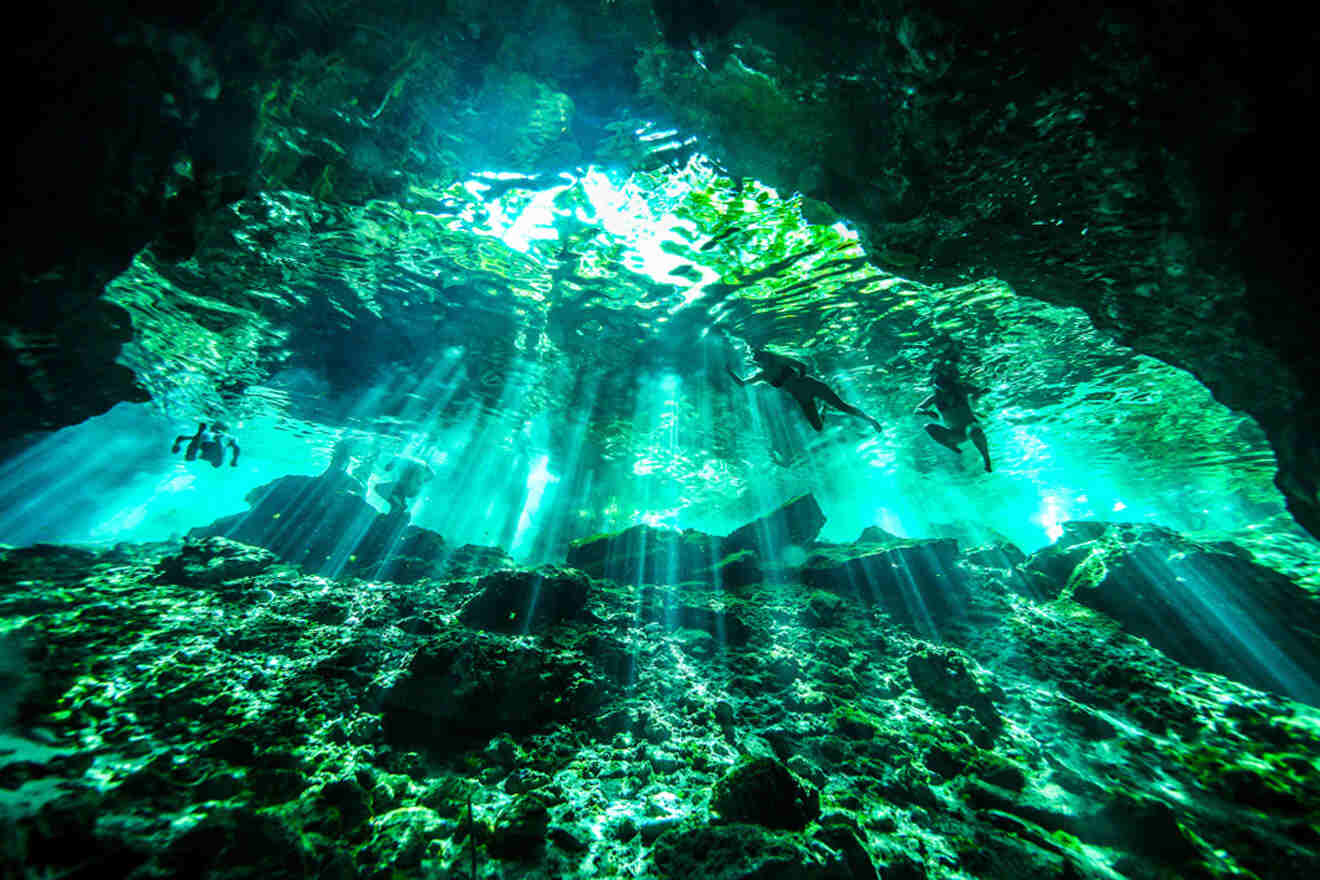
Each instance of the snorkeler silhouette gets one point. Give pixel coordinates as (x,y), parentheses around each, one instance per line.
(209,443)
(790,376)
(950,399)
(413,475)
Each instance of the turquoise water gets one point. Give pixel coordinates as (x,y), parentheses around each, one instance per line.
(558,355)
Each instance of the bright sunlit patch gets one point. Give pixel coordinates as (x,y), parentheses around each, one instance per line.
(1051,516)
(1119,505)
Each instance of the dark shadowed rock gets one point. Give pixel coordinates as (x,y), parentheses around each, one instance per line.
(521,827)
(795,523)
(472,560)
(645,554)
(324,525)
(740,569)
(212,561)
(464,685)
(947,680)
(742,852)
(520,601)
(313,522)
(1208,606)
(914,581)
(764,792)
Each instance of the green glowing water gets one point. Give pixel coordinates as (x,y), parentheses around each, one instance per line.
(558,349)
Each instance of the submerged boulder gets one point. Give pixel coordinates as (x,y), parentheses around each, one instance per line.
(324,525)
(520,601)
(793,524)
(916,582)
(645,554)
(764,792)
(212,561)
(1206,605)
(468,685)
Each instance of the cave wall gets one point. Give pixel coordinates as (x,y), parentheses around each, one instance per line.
(1145,166)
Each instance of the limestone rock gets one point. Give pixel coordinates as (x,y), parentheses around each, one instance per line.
(764,792)
(914,581)
(1208,606)
(948,680)
(739,851)
(464,685)
(794,523)
(644,554)
(520,601)
(212,561)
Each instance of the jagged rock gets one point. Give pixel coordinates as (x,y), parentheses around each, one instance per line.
(741,852)
(948,680)
(876,535)
(764,792)
(1004,556)
(737,570)
(842,834)
(324,525)
(1208,606)
(213,561)
(463,685)
(521,601)
(520,829)
(471,560)
(669,608)
(645,554)
(794,523)
(313,522)
(914,581)
(400,837)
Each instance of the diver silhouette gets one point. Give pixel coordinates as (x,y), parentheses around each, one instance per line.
(790,376)
(208,444)
(950,398)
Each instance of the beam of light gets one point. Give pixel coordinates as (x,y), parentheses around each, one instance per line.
(1221,618)
(537,481)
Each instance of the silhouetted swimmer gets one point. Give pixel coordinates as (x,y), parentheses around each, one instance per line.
(336,475)
(208,444)
(413,475)
(790,376)
(951,399)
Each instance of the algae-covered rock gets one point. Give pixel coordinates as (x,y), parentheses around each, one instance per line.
(914,581)
(212,561)
(462,685)
(764,792)
(519,601)
(520,829)
(1208,606)
(948,680)
(743,852)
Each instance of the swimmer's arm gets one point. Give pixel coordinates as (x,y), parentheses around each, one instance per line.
(924,408)
(758,377)
(234,461)
(179,439)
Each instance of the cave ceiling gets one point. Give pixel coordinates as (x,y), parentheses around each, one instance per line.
(213,206)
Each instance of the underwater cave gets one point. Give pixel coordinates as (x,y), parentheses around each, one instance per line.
(636,438)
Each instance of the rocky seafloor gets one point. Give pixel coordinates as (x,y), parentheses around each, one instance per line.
(665,704)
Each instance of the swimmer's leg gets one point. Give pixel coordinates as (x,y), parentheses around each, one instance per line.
(827,394)
(810,410)
(945,437)
(978,440)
